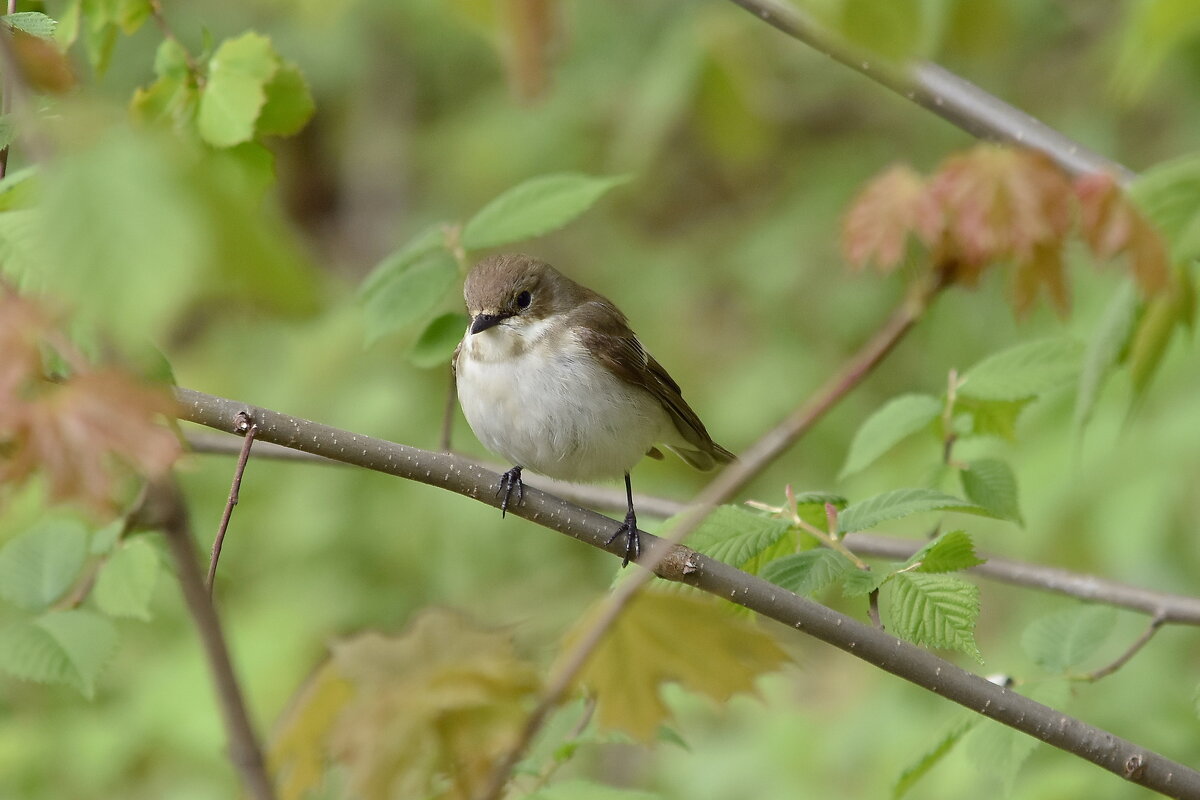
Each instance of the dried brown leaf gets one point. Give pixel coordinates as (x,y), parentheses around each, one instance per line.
(892,206)
(43,66)
(664,636)
(423,714)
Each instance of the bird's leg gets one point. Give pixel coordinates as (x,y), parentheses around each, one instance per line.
(510,482)
(633,542)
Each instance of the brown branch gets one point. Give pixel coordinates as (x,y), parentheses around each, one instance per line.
(162,508)
(1177,609)
(1129,653)
(936,89)
(245,426)
(684,565)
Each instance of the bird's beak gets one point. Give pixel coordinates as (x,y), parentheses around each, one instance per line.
(484,321)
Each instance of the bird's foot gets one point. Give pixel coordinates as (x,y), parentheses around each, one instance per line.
(510,482)
(633,542)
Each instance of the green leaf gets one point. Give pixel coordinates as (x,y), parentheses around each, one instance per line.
(1062,640)
(70,647)
(1104,349)
(935,611)
(126,583)
(741,538)
(807,572)
(950,552)
(409,295)
(1026,370)
(34,23)
(1151,31)
(991,483)
(18,189)
(898,419)
(917,770)
(811,507)
(992,417)
(428,241)
(861,582)
(37,567)
(868,513)
(235,92)
(289,104)
(1149,345)
(106,538)
(435,346)
(535,207)
(1169,195)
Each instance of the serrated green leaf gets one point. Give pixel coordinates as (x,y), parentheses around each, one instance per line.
(887,427)
(126,583)
(741,538)
(990,482)
(992,417)
(861,582)
(1104,350)
(950,552)
(70,647)
(1027,370)
(868,513)
(427,241)
(171,60)
(104,539)
(807,572)
(289,104)
(37,567)
(1062,640)
(935,611)
(535,207)
(34,23)
(235,92)
(409,296)
(918,769)
(435,346)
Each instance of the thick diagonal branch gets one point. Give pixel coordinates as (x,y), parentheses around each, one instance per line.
(684,565)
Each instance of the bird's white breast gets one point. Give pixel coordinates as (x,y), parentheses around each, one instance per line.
(539,399)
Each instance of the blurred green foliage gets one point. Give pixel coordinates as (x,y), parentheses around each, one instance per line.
(189,224)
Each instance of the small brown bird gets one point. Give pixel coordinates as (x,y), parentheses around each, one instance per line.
(551,378)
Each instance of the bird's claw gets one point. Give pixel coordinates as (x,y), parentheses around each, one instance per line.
(633,542)
(510,482)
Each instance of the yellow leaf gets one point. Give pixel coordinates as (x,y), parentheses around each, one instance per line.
(670,637)
(423,714)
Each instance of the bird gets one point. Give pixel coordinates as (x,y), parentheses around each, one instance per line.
(550,377)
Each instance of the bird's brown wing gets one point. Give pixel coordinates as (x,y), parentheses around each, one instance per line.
(602,329)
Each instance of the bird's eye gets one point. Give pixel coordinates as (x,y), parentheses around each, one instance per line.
(523,299)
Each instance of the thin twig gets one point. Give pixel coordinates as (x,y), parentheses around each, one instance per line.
(684,565)
(952,98)
(1129,653)
(6,100)
(162,508)
(248,429)
(164,27)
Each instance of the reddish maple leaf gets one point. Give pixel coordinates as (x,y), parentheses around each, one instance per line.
(1112,225)
(892,206)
